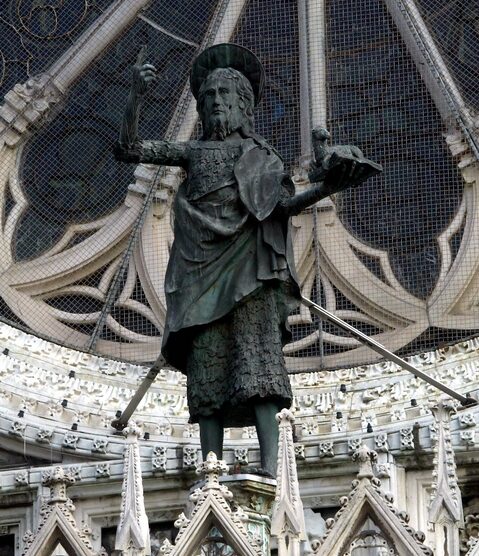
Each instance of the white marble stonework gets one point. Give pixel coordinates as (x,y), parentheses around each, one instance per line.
(56,405)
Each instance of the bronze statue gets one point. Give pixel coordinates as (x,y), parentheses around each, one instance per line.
(230,283)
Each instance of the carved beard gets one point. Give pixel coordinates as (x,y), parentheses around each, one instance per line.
(218,126)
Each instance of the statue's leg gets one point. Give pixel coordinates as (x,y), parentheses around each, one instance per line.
(211,435)
(268,433)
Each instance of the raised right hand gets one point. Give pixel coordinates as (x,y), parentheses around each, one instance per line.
(143,74)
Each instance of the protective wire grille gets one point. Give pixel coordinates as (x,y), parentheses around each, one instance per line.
(85,239)
(455,27)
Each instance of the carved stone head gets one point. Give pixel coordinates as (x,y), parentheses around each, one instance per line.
(225,103)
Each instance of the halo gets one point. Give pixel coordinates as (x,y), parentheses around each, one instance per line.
(228,55)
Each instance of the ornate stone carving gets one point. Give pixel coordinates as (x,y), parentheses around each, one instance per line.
(191,430)
(287,522)
(74,472)
(103,471)
(249,432)
(381,442)
(470,534)
(56,518)
(18,429)
(299,451)
(212,506)
(366,458)
(326,449)
(309,428)
(99,445)
(164,429)
(368,421)
(445,506)
(339,424)
(190,457)
(57,479)
(367,499)
(467,419)
(398,414)
(25,105)
(383,470)
(21,478)
(44,435)
(354,444)
(159,459)
(468,437)
(241,456)
(407,438)
(473,546)
(70,441)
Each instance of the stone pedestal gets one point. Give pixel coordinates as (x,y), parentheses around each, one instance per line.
(255,495)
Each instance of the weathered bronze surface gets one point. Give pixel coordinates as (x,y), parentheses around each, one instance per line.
(230,283)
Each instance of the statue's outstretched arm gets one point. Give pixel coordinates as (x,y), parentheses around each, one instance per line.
(294,204)
(129,148)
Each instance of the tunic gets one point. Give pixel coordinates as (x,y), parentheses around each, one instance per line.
(230,281)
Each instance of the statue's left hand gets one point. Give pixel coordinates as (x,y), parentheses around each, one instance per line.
(339,167)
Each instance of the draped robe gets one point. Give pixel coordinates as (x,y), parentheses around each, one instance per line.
(230,242)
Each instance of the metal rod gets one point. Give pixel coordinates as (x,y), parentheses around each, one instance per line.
(122,420)
(319,284)
(379,348)
(113,290)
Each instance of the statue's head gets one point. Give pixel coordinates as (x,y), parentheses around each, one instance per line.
(225,103)
(227,80)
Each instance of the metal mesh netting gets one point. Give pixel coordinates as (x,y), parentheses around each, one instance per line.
(85,239)
(454,26)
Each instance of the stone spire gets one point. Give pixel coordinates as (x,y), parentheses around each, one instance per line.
(445,507)
(287,522)
(132,534)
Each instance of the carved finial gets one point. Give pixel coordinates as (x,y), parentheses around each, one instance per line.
(132,430)
(57,479)
(285,416)
(212,468)
(445,493)
(366,458)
